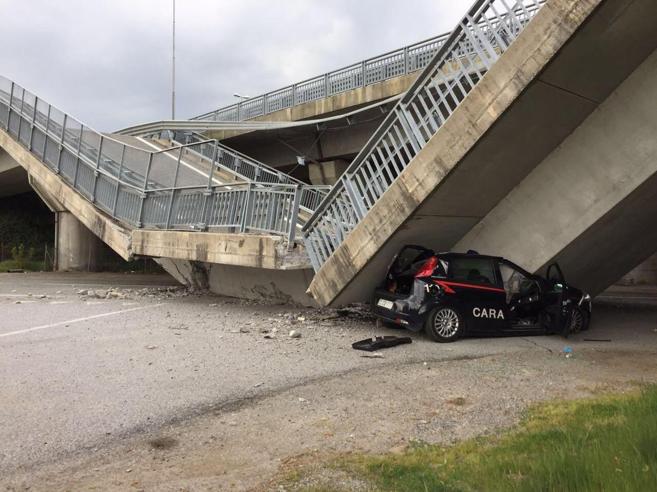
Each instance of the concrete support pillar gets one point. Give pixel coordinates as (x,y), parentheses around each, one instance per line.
(77,248)
(326,173)
(644,274)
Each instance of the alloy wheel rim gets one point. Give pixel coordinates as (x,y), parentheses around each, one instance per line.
(446,323)
(576,321)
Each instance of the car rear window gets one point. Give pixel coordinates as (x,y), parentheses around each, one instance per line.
(472,270)
(410,260)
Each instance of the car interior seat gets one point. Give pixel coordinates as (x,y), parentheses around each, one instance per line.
(475,275)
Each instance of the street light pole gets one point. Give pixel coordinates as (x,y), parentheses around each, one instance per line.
(173,65)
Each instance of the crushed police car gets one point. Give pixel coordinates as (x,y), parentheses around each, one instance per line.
(451,295)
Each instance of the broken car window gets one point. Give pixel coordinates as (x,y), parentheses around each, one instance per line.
(516,284)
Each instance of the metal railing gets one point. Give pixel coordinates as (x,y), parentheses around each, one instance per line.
(246,167)
(367,72)
(480,38)
(143,188)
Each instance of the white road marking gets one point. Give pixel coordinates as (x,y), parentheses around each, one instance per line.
(193,168)
(77,320)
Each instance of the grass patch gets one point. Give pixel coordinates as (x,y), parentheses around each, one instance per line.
(27,265)
(606,443)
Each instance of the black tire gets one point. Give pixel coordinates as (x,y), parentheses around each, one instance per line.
(579,320)
(444,324)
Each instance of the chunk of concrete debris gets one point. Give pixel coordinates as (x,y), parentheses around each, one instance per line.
(295,334)
(269,336)
(83,292)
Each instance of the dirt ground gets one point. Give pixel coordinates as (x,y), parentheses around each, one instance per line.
(249,445)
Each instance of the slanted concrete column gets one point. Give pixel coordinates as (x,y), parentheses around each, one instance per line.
(644,274)
(326,173)
(77,248)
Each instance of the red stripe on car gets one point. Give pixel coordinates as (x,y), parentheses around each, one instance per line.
(447,286)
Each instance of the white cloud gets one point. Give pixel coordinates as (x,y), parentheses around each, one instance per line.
(108,61)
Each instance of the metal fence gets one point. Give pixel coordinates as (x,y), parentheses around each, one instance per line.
(371,71)
(486,31)
(142,188)
(248,168)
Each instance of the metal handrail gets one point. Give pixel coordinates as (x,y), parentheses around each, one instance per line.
(120,179)
(396,63)
(480,38)
(254,170)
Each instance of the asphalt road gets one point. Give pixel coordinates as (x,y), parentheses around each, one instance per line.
(78,373)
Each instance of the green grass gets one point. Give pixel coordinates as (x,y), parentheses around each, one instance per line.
(27,265)
(607,443)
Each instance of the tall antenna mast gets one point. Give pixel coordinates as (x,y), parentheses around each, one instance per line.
(173,65)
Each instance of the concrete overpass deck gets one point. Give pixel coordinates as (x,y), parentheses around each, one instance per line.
(143,202)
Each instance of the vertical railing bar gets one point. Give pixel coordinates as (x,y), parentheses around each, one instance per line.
(100,151)
(175,184)
(118,182)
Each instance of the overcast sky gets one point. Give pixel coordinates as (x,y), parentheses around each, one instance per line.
(108,62)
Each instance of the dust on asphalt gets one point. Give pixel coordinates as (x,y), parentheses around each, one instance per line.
(198,392)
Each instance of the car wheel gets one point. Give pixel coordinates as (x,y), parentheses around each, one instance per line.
(578,320)
(444,324)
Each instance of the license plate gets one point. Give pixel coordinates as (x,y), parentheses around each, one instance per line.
(384,303)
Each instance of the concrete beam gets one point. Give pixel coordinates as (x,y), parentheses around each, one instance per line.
(326,173)
(280,286)
(345,101)
(459,175)
(249,250)
(591,203)
(644,274)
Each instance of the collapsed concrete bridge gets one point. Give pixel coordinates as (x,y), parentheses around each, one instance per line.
(529,132)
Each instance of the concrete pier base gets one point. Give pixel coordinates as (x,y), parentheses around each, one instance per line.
(77,248)
(278,286)
(327,173)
